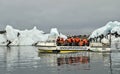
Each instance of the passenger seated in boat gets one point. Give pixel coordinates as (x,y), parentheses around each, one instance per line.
(81,43)
(73,41)
(68,42)
(60,41)
(86,43)
(77,40)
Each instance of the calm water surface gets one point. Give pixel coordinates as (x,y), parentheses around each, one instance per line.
(27,60)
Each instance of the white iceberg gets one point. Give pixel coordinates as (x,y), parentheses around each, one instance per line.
(26,37)
(110,27)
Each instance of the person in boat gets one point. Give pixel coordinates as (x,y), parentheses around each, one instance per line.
(65,42)
(77,40)
(60,41)
(81,43)
(68,42)
(73,41)
(86,43)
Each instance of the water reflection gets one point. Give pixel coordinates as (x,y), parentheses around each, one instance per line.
(77,59)
(72,60)
(27,59)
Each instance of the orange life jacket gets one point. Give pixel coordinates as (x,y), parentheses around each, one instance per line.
(68,40)
(77,40)
(73,39)
(81,43)
(85,41)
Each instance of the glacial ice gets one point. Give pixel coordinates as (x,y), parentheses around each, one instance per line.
(27,37)
(110,27)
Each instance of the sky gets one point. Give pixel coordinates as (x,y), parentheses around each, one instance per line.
(68,16)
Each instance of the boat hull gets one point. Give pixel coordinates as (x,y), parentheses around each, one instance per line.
(63,49)
(72,49)
(59,51)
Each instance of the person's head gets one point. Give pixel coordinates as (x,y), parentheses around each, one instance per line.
(58,36)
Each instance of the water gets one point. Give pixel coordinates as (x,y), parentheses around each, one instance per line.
(27,60)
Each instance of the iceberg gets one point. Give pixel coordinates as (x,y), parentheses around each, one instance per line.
(112,28)
(109,27)
(27,37)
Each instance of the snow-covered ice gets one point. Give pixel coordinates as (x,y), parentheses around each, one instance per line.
(110,27)
(27,37)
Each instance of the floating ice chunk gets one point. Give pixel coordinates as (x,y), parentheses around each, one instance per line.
(109,27)
(26,37)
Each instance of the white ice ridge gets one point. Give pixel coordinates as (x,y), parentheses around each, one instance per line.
(111,31)
(27,37)
(109,27)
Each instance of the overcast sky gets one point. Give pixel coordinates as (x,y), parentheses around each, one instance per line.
(69,16)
